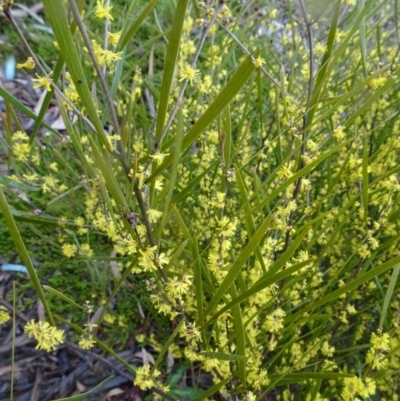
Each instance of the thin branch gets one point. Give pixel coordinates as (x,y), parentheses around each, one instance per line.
(303,148)
(103,82)
(310,40)
(178,103)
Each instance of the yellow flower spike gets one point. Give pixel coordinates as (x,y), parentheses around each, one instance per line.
(103,11)
(29,64)
(145,378)
(42,81)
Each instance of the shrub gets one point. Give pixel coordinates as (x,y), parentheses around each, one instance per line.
(242,161)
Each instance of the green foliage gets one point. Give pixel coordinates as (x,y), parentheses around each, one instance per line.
(226,191)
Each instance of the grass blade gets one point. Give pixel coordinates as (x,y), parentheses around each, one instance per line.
(23,253)
(83,396)
(264,282)
(235,268)
(129,31)
(170,65)
(227,94)
(57,16)
(62,296)
(165,347)
(348,287)
(212,390)
(389,293)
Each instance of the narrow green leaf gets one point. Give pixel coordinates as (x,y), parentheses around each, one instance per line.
(57,15)
(212,390)
(376,271)
(263,282)
(74,137)
(226,95)
(64,194)
(129,29)
(170,65)
(165,347)
(236,266)
(62,296)
(296,377)
(23,253)
(10,183)
(198,283)
(84,396)
(103,163)
(239,335)
(365,176)
(227,150)
(322,74)
(117,287)
(297,175)
(222,357)
(287,254)
(55,77)
(29,113)
(174,173)
(360,7)
(184,193)
(389,293)
(248,216)
(35,219)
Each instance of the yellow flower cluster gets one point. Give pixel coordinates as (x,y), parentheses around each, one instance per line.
(376,355)
(20,146)
(105,57)
(4,315)
(48,337)
(355,386)
(146,378)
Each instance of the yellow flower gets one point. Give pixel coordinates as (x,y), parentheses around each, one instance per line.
(159,157)
(48,337)
(86,341)
(4,315)
(274,321)
(42,81)
(190,74)
(259,62)
(103,11)
(320,48)
(87,250)
(146,379)
(113,38)
(21,151)
(32,177)
(154,215)
(69,250)
(29,64)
